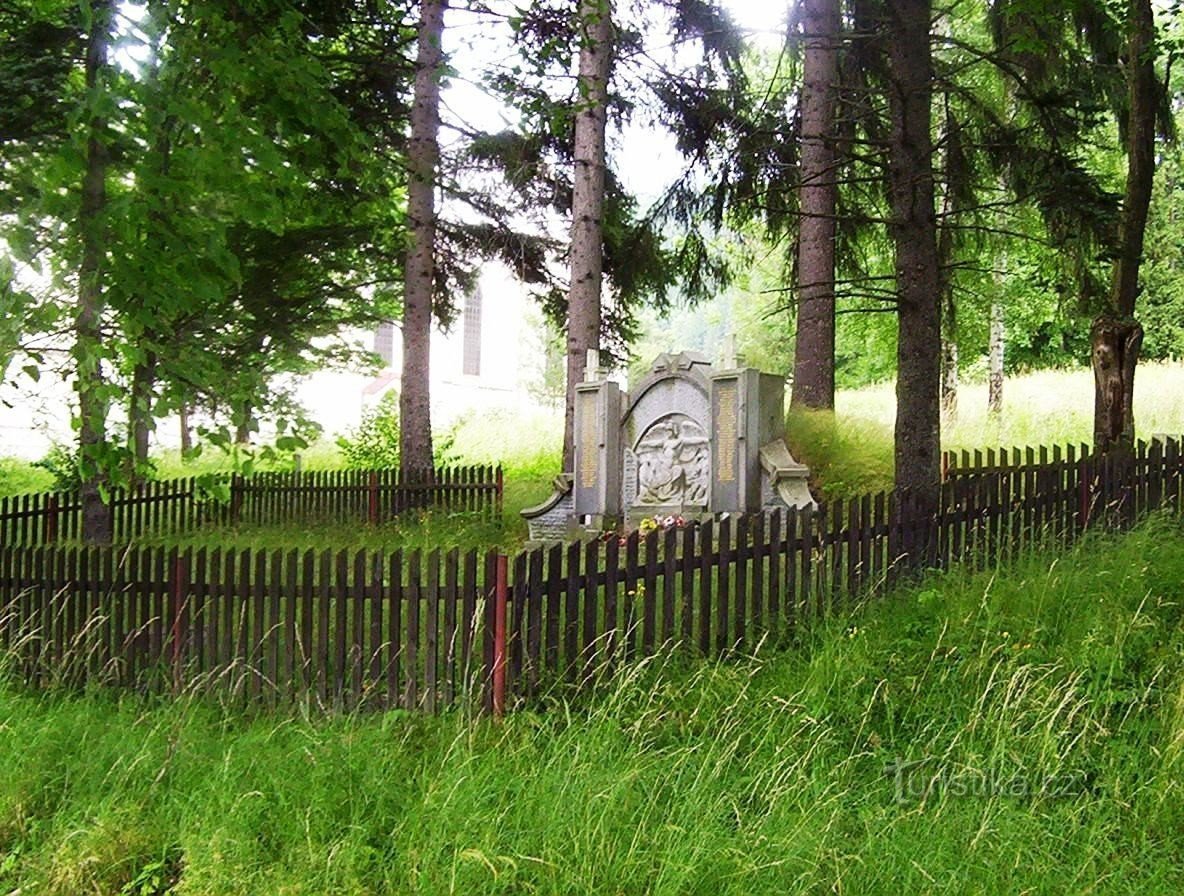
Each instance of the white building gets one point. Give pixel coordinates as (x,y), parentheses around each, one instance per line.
(492,358)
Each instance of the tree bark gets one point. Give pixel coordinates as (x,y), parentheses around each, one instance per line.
(814,345)
(587,211)
(1116,337)
(97,522)
(186,429)
(914,233)
(423,155)
(1114,352)
(244,419)
(995,360)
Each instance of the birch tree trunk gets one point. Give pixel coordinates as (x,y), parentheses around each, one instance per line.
(995,361)
(415,422)
(914,233)
(814,345)
(949,319)
(587,212)
(93,404)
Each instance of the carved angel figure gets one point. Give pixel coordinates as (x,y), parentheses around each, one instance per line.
(673,464)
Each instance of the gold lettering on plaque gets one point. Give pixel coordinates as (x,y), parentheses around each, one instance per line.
(589,446)
(726,431)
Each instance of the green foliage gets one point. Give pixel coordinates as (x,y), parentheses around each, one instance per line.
(250,191)
(374,443)
(61,462)
(1045,699)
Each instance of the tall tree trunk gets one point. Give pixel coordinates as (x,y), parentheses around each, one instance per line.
(97,524)
(140,419)
(186,429)
(1115,352)
(814,346)
(914,233)
(423,155)
(244,419)
(587,210)
(1116,336)
(995,360)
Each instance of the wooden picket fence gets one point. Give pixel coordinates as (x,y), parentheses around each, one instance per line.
(174,506)
(421,630)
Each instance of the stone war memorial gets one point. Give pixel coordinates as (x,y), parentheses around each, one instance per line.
(688,440)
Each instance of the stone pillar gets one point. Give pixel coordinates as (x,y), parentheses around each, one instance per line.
(748,410)
(597,474)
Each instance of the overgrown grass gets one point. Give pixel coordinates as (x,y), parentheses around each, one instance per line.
(1045,407)
(1044,708)
(850,452)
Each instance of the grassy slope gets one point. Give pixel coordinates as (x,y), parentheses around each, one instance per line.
(850,453)
(762,775)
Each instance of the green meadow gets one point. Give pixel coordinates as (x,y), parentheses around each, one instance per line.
(1017,731)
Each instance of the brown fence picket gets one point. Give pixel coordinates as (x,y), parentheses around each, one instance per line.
(687,587)
(552,612)
(394,630)
(451,598)
(411,649)
(723,582)
(612,630)
(431,621)
(705,588)
(649,595)
(570,668)
(533,614)
(591,609)
(773,597)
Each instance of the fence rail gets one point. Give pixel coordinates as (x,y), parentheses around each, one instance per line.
(416,630)
(173,506)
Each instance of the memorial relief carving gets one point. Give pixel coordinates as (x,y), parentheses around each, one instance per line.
(674,463)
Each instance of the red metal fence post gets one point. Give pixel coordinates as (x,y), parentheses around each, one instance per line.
(499,638)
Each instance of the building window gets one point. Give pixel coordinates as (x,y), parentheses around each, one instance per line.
(384,342)
(471,363)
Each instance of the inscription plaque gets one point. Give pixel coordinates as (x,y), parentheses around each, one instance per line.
(589,445)
(726,431)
